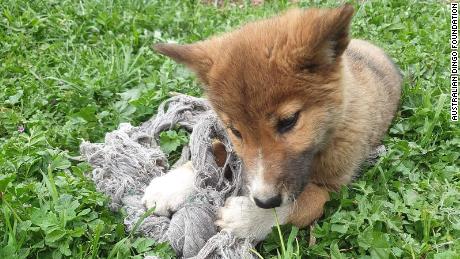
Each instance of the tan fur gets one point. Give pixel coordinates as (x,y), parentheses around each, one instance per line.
(346,93)
(220,154)
(311,201)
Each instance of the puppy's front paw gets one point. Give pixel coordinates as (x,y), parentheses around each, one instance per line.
(168,192)
(243,218)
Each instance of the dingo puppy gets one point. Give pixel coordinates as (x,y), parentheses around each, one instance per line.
(303,104)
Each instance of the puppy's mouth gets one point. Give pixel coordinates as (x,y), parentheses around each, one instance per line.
(291,197)
(288,198)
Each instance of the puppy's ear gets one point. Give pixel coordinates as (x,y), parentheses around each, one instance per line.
(194,56)
(325,36)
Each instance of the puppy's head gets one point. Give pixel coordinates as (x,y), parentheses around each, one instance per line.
(276,85)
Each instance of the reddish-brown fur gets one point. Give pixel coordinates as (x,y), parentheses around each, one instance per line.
(298,62)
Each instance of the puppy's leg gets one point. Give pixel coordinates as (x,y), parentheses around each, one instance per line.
(243,218)
(309,205)
(168,192)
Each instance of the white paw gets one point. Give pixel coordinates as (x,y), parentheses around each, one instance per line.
(168,192)
(243,218)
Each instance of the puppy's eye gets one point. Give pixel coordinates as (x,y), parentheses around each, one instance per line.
(236,132)
(287,124)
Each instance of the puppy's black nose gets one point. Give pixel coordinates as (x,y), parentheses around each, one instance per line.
(268,203)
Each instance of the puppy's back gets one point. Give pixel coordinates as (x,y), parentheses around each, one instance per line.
(378,62)
(378,84)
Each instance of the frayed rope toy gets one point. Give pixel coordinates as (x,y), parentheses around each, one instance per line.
(130,158)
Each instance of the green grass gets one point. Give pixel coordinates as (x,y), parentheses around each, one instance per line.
(73,70)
